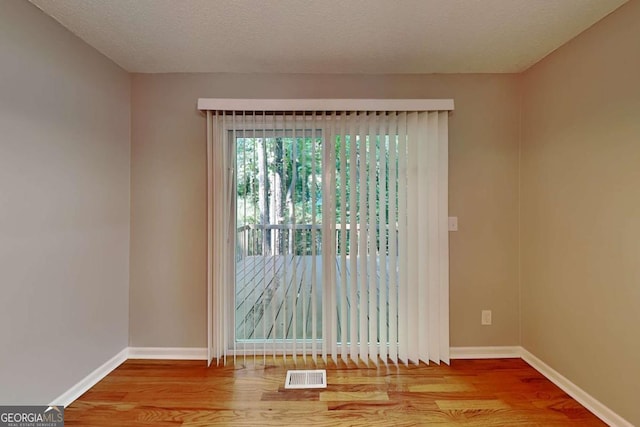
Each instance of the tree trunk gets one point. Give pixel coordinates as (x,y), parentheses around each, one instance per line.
(291,194)
(263,193)
(277,204)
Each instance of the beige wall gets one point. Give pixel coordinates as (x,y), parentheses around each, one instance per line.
(168,216)
(64,207)
(581,211)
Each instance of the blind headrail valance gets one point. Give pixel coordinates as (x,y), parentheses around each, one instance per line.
(301,105)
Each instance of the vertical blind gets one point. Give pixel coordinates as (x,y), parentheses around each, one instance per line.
(356,267)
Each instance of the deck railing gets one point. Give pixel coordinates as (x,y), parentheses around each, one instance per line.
(296,239)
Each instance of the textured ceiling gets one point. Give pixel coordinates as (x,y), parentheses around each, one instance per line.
(327,36)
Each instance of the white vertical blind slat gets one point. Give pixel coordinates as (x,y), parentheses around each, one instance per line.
(211,337)
(334,239)
(221,171)
(255,215)
(343,237)
(443,232)
(294,269)
(372,232)
(363,305)
(403,243)
(303,287)
(225,295)
(433,237)
(275,237)
(393,240)
(247,240)
(285,266)
(264,240)
(331,256)
(314,257)
(230,214)
(326,271)
(413,224)
(215,262)
(382,258)
(353,239)
(328,198)
(424,224)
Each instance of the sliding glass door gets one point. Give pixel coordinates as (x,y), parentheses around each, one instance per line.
(285,174)
(278,286)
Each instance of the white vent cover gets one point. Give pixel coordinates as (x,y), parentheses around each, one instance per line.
(306,379)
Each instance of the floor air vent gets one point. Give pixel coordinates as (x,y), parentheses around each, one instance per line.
(306,379)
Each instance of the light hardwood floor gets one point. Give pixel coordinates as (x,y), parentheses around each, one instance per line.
(505,392)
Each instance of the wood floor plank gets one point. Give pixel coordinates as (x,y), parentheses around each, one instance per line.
(472,404)
(350,396)
(359,380)
(450,387)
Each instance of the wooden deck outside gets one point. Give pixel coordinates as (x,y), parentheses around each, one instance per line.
(273,291)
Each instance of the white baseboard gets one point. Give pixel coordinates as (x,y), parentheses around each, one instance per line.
(168,353)
(585,399)
(66,398)
(502,352)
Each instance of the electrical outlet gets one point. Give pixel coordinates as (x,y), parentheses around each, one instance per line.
(486,317)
